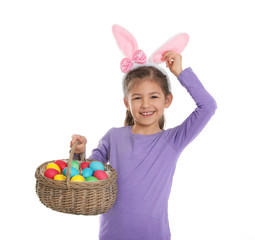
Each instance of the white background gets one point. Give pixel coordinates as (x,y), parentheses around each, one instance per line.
(59,73)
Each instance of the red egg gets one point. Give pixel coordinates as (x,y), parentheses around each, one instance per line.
(84,165)
(50,173)
(100,174)
(61,164)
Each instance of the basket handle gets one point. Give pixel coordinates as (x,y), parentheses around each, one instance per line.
(69,164)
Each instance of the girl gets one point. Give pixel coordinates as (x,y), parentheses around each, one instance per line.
(144,154)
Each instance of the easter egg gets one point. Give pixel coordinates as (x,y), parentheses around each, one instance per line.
(61,164)
(100,175)
(87,172)
(91,179)
(73,172)
(84,165)
(75,164)
(60,177)
(96,165)
(78,178)
(51,173)
(53,165)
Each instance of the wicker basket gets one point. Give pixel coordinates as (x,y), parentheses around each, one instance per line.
(83,198)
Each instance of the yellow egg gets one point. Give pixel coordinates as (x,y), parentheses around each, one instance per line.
(78,178)
(60,177)
(53,165)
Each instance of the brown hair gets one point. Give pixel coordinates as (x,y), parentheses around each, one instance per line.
(153,74)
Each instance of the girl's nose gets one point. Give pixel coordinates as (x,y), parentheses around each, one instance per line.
(145,103)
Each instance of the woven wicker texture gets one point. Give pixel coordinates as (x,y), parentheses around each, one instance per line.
(85,198)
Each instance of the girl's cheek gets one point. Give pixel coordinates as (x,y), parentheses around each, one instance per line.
(134,105)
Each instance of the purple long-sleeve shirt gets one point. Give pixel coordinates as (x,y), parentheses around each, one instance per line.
(145,165)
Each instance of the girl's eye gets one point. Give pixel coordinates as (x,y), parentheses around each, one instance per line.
(154,96)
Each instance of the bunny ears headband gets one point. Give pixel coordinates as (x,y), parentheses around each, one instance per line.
(135,57)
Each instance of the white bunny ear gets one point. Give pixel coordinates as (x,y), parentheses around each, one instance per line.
(125,40)
(176,44)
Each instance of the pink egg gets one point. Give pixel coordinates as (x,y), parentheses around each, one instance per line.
(51,172)
(61,164)
(100,174)
(84,165)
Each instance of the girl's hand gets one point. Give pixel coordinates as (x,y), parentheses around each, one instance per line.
(173,62)
(81,147)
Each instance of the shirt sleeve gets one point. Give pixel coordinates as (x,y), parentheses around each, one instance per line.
(183,134)
(101,153)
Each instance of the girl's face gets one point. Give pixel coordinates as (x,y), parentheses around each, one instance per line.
(146,102)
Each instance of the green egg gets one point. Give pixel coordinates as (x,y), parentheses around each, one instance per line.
(91,179)
(75,164)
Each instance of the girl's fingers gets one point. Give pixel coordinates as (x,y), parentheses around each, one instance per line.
(168,54)
(74,137)
(79,138)
(80,147)
(173,62)
(169,61)
(82,139)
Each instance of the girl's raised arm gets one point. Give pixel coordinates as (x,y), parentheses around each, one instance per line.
(183,134)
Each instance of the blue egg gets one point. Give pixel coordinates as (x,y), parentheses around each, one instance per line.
(96,165)
(87,172)
(74,172)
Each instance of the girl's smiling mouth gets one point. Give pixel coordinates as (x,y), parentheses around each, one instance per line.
(147,114)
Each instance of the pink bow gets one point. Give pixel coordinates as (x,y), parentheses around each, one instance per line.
(126,63)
